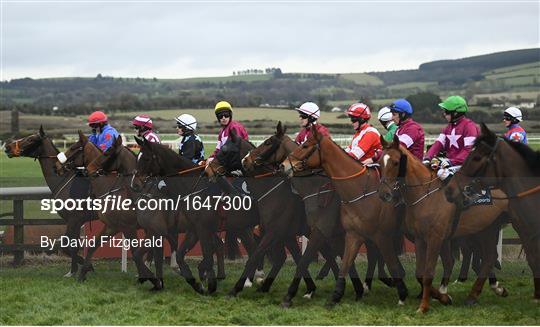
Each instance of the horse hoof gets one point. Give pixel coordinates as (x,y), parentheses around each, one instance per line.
(248,283)
(308,296)
(471,302)
(259,280)
(286,304)
(330,304)
(231,294)
(447,300)
(366,288)
(400,303)
(422,310)
(69,274)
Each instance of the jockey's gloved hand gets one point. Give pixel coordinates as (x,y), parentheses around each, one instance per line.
(435,163)
(445,163)
(237,173)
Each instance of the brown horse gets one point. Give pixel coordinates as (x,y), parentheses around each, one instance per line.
(268,195)
(514,168)
(39,146)
(322,205)
(433,220)
(108,183)
(363,214)
(183,180)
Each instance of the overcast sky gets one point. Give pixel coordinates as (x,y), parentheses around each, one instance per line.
(192,39)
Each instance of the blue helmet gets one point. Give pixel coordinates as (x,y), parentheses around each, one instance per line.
(401,105)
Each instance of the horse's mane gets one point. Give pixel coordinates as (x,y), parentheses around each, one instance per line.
(170,154)
(531,157)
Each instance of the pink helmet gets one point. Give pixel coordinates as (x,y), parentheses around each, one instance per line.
(143,121)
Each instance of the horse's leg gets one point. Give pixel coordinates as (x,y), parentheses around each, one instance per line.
(325,270)
(329,256)
(432,255)
(372,258)
(246,236)
(352,245)
(184,270)
(316,241)
(387,250)
(158,262)
(73,231)
(448,264)
(220,258)
(420,254)
(207,239)
(296,254)
(87,266)
(266,242)
(488,255)
(467,254)
(278,259)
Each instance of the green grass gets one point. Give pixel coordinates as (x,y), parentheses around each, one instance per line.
(362,79)
(38,295)
(223,79)
(411,85)
(533,67)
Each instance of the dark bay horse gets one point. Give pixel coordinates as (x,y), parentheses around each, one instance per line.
(280,225)
(184,181)
(433,220)
(363,214)
(103,184)
(514,168)
(322,205)
(39,146)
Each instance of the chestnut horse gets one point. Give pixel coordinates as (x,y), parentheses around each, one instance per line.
(434,221)
(322,206)
(514,168)
(363,214)
(39,146)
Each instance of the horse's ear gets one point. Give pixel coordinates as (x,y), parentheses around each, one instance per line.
(118,141)
(487,132)
(81,135)
(41,131)
(140,141)
(383,142)
(279,129)
(395,142)
(233,135)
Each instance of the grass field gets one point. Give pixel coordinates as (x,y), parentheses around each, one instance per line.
(38,295)
(362,79)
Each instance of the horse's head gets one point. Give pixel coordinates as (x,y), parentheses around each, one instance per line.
(306,156)
(393,169)
(271,152)
(229,157)
(75,156)
(148,163)
(29,146)
(109,160)
(478,170)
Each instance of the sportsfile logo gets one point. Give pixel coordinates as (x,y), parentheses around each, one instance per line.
(119,203)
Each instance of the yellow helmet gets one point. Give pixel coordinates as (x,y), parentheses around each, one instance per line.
(222,105)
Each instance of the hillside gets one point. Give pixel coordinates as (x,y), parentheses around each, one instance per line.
(510,72)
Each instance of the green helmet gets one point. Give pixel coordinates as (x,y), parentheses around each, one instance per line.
(454,103)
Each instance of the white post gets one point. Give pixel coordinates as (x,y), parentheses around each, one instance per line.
(124,256)
(499,247)
(304,244)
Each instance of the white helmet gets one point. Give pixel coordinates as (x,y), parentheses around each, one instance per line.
(384,114)
(187,121)
(514,113)
(310,109)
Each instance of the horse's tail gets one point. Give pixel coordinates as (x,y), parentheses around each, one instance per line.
(232,246)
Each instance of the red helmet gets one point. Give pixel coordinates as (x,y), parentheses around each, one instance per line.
(143,121)
(97,117)
(359,110)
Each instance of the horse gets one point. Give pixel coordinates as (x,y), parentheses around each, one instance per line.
(434,221)
(40,147)
(322,209)
(112,181)
(515,169)
(269,193)
(184,181)
(363,215)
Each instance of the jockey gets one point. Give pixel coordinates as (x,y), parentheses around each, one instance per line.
(224,113)
(191,145)
(309,114)
(366,143)
(385,118)
(457,138)
(409,132)
(103,134)
(515,133)
(143,125)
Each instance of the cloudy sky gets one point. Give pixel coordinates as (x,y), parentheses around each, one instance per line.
(173,39)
